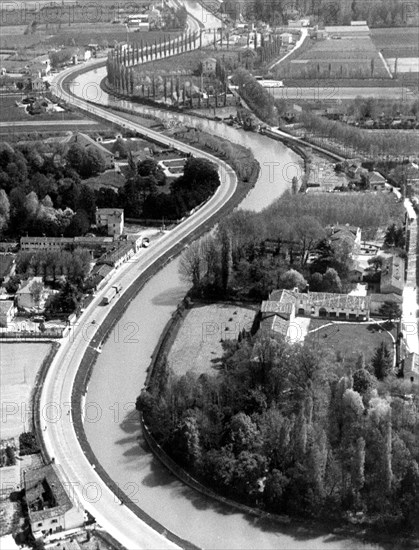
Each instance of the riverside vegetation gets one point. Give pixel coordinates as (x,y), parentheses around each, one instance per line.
(291,429)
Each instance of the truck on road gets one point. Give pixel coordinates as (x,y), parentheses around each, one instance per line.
(112,292)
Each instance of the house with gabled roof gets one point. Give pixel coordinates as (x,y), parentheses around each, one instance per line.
(50,508)
(392,275)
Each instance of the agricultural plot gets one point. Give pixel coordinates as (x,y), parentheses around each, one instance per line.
(198,344)
(344,58)
(400,42)
(400,48)
(19,364)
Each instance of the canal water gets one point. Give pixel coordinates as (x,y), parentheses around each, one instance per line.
(120,373)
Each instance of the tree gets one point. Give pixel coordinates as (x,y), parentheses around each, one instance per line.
(273,494)
(331,281)
(376,262)
(390,310)
(191,265)
(4,210)
(36,290)
(292,279)
(307,232)
(79,224)
(381,362)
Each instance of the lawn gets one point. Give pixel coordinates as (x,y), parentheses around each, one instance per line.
(19,364)
(198,344)
(11,112)
(349,340)
(108,179)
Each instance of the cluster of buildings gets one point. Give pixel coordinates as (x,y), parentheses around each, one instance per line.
(108,253)
(356,29)
(279,312)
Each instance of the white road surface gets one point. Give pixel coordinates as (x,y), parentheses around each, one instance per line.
(58,432)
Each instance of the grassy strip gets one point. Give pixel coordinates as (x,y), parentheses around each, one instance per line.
(36,400)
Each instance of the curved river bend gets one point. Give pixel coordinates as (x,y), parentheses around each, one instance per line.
(111,423)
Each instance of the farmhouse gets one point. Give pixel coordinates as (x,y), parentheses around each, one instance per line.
(50,509)
(392,275)
(112,219)
(286,304)
(7,311)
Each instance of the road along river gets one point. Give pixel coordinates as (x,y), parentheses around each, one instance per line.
(113,429)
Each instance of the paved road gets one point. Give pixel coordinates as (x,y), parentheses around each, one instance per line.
(59,434)
(304,33)
(410,306)
(38,123)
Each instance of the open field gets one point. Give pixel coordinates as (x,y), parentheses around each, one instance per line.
(19,364)
(398,42)
(198,346)
(109,179)
(77,34)
(341,338)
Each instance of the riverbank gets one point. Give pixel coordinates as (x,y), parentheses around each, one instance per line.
(364,534)
(87,364)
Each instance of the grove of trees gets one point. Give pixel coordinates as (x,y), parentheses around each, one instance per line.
(285,246)
(286,428)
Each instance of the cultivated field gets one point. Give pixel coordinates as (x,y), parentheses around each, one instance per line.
(19,364)
(400,42)
(198,345)
(340,337)
(344,58)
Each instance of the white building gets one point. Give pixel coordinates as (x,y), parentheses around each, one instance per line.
(112,219)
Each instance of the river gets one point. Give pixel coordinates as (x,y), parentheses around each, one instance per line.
(120,372)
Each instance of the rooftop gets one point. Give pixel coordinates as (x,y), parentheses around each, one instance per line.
(26,285)
(45,496)
(318,299)
(392,271)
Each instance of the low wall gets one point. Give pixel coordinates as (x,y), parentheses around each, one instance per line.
(36,400)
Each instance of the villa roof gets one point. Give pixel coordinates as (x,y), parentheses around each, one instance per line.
(280,298)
